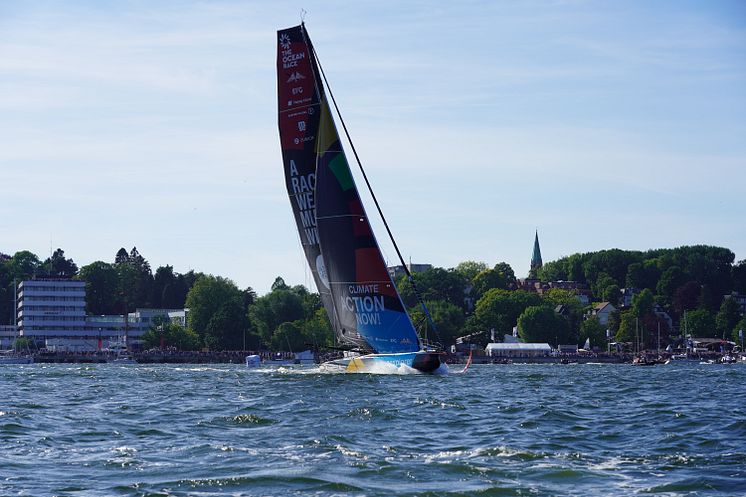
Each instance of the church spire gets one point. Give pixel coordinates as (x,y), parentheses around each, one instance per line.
(536,256)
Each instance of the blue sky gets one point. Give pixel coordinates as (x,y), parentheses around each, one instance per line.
(154,124)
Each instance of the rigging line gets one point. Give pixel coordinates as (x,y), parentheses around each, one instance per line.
(373,195)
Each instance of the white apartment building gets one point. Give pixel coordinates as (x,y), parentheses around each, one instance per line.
(51,308)
(52,313)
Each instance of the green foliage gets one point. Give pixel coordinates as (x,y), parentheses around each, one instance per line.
(615,320)
(700,323)
(434,284)
(593,330)
(317,330)
(24,265)
(101,285)
(739,277)
(290,318)
(741,325)
(487,280)
(628,328)
(171,335)
(169,289)
(216,312)
(7,293)
(57,266)
(23,343)
(449,321)
(541,324)
(687,297)
(727,317)
(270,311)
(500,309)
(135,279)
(469,269)
(507,272)
(611,294)
(603,282)
(642,303)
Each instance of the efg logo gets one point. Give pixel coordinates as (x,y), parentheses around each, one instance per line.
(284,41)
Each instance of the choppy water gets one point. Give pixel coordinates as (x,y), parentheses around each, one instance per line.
(502,430)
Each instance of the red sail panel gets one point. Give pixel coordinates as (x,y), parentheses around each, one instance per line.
(298,122)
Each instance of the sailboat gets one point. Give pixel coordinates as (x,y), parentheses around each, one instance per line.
(366,311)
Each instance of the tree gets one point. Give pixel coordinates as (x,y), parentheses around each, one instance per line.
(279,284)
(469,269)
(101,286)
(592,329)
(500,309)
(164,282)
(434,284)
(727,317)
(611,294)
(136,278)
(23,343)
(739,277)
(507,272)
(7,292)
(448,318)
(740,327)
(701,323)
(24,265)
(317,329)
(541,324)
(642,303)
(686,296)
(671,279)
(486,280)
(628,331)
(573,309)
(171,335)
(615,320)
(270,311)
(57,266)
(603,282)
(216,312)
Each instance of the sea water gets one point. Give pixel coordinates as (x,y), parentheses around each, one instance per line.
(498,430)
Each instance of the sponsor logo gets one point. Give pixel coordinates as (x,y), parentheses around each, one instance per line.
(321,268)
(296,76)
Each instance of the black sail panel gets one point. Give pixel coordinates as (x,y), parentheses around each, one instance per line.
(366,300)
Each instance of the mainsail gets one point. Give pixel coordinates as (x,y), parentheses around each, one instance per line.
(298,120)
(340,247)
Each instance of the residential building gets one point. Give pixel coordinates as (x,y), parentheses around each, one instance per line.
(51,308)
(603,310)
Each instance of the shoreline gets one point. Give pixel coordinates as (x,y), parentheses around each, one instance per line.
(238,357)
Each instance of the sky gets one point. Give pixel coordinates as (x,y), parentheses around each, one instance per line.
(154,125)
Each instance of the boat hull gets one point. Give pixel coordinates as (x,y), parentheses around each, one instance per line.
(423,362)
